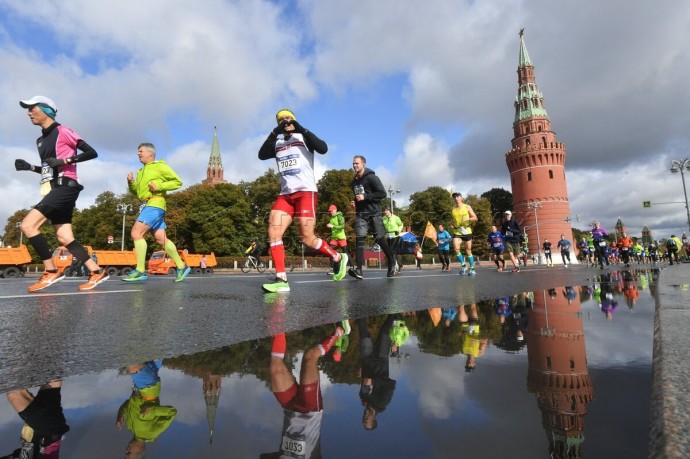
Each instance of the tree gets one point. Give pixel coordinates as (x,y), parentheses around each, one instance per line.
(500,200)
(431,205)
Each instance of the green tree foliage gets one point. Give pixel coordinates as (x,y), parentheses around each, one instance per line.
(93,225)
(216,220)
(431,205)
(500,200)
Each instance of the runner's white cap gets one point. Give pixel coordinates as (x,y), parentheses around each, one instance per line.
(36,100)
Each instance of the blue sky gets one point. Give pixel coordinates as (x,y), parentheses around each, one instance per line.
(426,94)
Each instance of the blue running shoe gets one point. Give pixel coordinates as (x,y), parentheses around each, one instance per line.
(136,276)
(182,273)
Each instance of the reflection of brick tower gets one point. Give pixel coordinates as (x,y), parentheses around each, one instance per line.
(536,163)
(558,372)
(211,387)
(214,171)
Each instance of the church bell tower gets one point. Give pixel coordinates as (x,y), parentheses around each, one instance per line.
(214,171)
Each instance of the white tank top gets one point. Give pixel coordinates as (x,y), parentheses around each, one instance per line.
(295,165)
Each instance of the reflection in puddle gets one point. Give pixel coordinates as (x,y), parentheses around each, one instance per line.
(431,383)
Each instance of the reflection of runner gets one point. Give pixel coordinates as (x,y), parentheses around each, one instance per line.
(293,147)
(150,186)
(142,412)
(57,148)
(472,345)
(301,401)
(377,388)
(45,422)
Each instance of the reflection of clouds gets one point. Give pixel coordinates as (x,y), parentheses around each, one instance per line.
(623,341)
(81,391)
(440,386)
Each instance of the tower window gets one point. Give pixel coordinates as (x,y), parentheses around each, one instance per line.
(529,176)
(543,141)
(550,174)
(548,362)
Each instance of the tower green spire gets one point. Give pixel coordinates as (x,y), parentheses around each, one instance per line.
(529,102)
(524,57)
(215,161)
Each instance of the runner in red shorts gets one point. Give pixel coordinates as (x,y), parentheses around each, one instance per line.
(293,147)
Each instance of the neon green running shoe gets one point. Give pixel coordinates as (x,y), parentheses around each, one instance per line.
(277,286)
(339,270)
(136,276)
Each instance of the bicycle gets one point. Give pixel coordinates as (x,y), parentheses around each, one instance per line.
(252,263)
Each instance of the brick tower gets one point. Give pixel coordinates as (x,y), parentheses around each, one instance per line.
(536,163)
(214,172)
(558,374)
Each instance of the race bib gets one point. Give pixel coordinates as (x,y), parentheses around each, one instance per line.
(602,243)
(292,447)
(46,173)
(547,251)
(46,177)
(497,244)
(463,230)
(289,165)
(509,234)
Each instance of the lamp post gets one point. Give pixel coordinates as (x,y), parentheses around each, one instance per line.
(536,205)
(21,233)
(124,208)
(680,166)
(391,191)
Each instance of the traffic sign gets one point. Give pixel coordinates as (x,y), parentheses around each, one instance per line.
(646,204)
(111,239)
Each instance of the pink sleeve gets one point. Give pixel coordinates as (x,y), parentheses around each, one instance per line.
(66,148)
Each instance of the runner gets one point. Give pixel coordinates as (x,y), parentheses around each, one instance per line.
(293,147)
(599,236)
(150,186)
(564,246)
(511,236)
(394,227)
(338,239)
(369,192)
(547,253)
(57,148)
(496,245)
(624,245)
(463,217)
(444,238)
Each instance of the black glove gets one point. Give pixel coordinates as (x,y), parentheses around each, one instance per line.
(54,162)
(280,129)
(298,127)
(21,165)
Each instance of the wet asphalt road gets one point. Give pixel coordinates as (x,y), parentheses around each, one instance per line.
(63,332)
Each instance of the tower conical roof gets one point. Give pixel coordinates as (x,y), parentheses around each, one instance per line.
(524,56)
(215,160)
(529,102)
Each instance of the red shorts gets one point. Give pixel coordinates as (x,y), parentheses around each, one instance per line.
(338,242)
(303,398)
(300,204)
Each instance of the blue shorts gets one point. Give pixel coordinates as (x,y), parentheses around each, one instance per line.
(152,217)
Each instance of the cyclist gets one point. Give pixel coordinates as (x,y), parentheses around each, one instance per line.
(254,250)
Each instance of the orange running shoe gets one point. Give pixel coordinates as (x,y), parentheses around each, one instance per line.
(94,280)
(47,279)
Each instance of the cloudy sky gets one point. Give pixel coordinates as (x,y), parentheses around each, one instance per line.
(424,92)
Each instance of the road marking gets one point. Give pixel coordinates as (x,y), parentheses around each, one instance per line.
(43,295)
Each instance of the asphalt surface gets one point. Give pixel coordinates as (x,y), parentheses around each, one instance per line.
(63,332)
